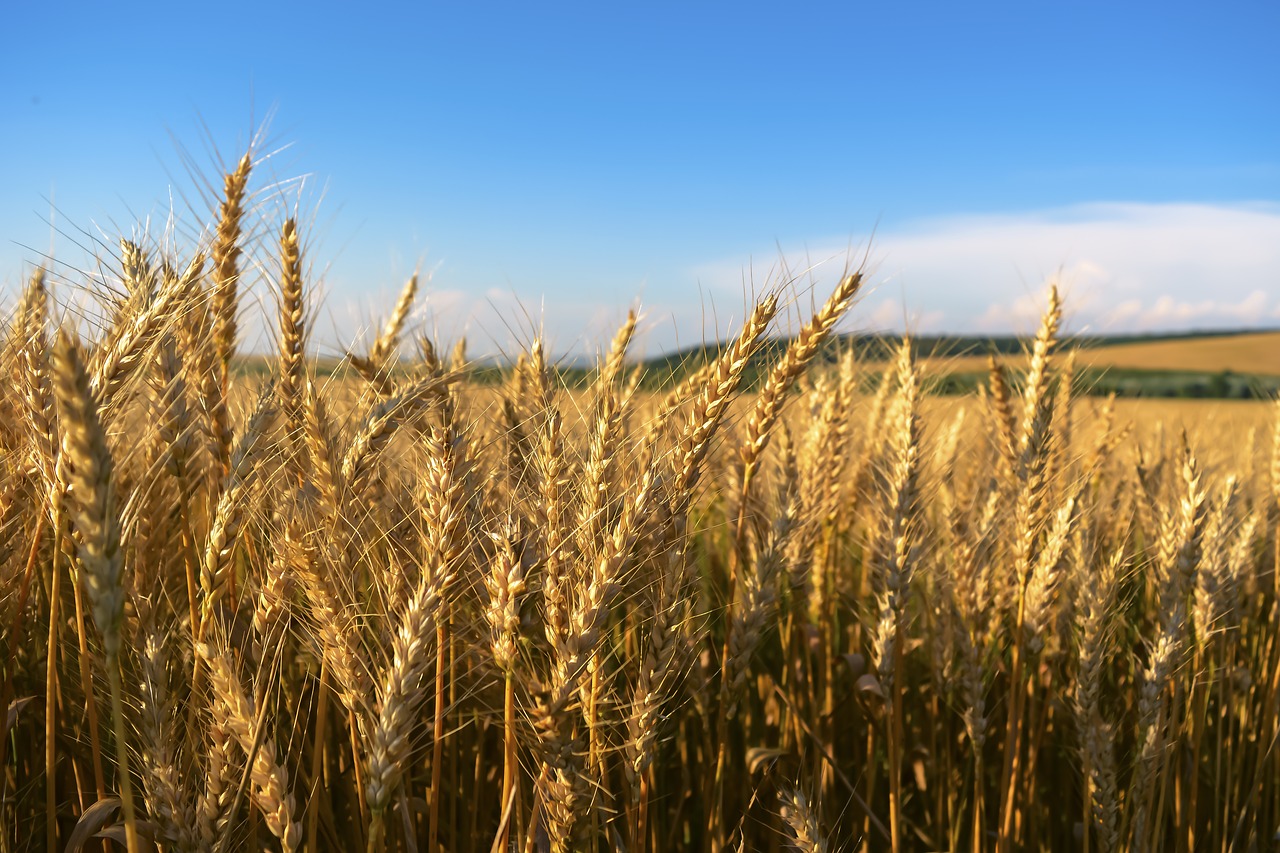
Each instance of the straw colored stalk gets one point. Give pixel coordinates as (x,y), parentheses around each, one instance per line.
(559,776)
(1032,451)
(39,415)
(444,542)
(1179,554)
(708,410)
(605,426)
(1101,800)
(666,655)
(400,688)
(399,694)
(896,556)
(89,468)
(505,583)
(1275,496)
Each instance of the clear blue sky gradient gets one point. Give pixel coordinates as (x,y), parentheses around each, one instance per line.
(587,154)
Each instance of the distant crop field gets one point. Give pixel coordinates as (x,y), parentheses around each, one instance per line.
(1239,353)
(383,605)
(1251,353)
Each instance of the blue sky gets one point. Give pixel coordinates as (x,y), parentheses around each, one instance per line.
(551,163)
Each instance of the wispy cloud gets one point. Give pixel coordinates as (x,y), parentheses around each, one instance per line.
(1123,267)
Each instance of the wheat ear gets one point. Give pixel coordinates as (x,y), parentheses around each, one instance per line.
(1031,458)
(1097,747)
(896,555)
(797,811)
(162,780)
(89,471)
(236,714)
(118,358)
(226,299)
(293,329)
(1275,495)
(713,400)
(802,349)
(229,515)
(606,426)
(375,367)
(505,583)
(226,265)
(400,689)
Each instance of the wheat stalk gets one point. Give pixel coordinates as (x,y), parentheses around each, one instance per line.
(235,714)
(89,468)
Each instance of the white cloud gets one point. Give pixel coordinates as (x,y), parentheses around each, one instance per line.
(891,314)
(885,315)
(1122,267)
(1167,310)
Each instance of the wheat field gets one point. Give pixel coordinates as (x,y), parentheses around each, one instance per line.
(1247,353)
(400,611)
